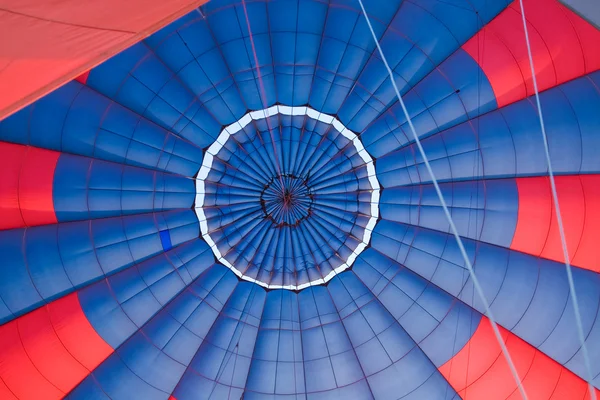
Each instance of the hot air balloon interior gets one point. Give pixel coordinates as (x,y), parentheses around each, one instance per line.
(301,200)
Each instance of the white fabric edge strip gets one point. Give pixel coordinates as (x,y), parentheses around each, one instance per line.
(239,125)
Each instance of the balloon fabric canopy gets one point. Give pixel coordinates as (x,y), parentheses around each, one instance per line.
(247,204)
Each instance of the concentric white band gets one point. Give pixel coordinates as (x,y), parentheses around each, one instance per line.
(237,126)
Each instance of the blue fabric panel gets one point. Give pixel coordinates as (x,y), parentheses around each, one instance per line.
(430,316)
(18,292)
(79,120)
(482,210)
(57,259)
(446,97)
(412,53)
(326,346)
(86,188)
(584,99)
(140,81)
(383,346)
(324,43)
(505,142)
(165,240)
(222,362)
(42,258)
(277,366)
(41,123)
(117,306)
(234,221)
(529,296)
(116,389)
(152,361)
(403,374)
(87,390)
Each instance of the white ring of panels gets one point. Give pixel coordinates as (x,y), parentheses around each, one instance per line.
(240,124)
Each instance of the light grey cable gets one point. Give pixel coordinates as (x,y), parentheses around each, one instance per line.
(476,283)
(561,230)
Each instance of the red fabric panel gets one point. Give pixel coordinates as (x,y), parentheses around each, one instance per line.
(480,371)
(537,230)
(76,333)
(534,216)
(35,186)
(83,77)
(17,370)
(11,156)
(564,46)
(46,353)
(587,254)
(6,394)
(26,179)
(52,42)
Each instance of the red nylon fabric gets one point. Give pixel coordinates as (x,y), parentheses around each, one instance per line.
(53,42)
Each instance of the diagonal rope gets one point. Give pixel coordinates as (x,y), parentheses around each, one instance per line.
(474,278)
(262,93)
(559,220)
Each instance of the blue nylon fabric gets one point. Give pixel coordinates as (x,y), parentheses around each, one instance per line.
(482,210)
(506,142)
(288,200)
(529,296)
(133,140)
(58,259)
(165,240)
(78,120)
(86,188)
